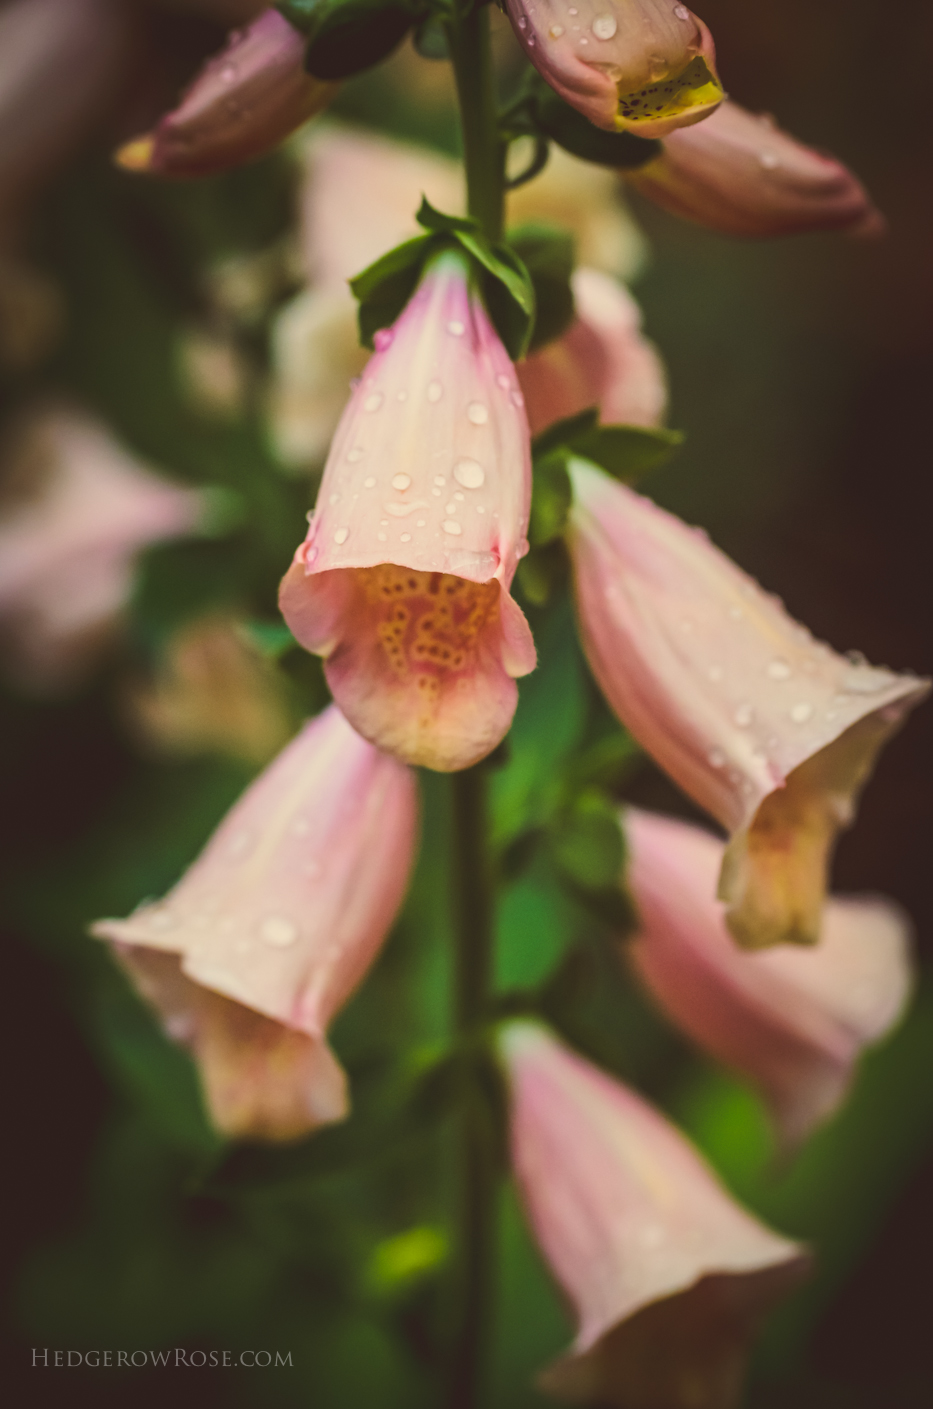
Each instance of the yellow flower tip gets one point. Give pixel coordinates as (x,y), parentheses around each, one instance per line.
(696,89)
(136,155)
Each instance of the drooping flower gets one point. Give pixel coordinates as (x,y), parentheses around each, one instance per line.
(602,360)
(243,103)
(770,731)
(738,173)
(275,924)
(667,1274)
(792,1020)
(402,584)
(642,65)
(78,510)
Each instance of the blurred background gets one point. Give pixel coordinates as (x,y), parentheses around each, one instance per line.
(800,372)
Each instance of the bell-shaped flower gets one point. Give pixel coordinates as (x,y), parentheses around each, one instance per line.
(603,359)
(792,1020)
(402,584)
(78,509)
(666,1273)
(646,66)
(738,173)
(770,731)
(243,103)
(281,916)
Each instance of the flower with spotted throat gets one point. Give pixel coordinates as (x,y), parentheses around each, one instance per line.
(644,66)
(402,584)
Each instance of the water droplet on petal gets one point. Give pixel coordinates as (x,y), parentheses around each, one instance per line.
(435,392)
(451,526)
(341,536)
(450,508)
(278,931)
(744,716)
(715,673)
(334,499)
(456,328)
(469,473)
(769,160)
(439,479)
(402,396)
(477,413)
(681,12)
(406,537)
(401,482)
(354,455)
(716,757)
(381,537)
(369,482)
(228,73)
(503,382)
(605,26)
(556,31)
(736,613)
(517,398)
(372,403)
(420,523)
(383,339)
(801,712)
(779,670)
(161,920)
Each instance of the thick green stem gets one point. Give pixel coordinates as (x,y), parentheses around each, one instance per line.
(483,153)
(477,1163)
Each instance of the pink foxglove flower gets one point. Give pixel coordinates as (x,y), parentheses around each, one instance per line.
(740,174)
(68,539)
(402,584)
(603,359)
(770,731)
(792,1020)
(282,913)
(643,65)
(666,1273)
(245,101)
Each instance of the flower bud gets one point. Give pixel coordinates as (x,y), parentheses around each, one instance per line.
(791,1020)
(245,101)
(275,924)
(646,66)
(738,173)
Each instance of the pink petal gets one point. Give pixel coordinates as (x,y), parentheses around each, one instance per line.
(645,65)
(625,1211)
(792,1020)
(602,360)
(402,581)
(291,899)
(770,731)
(260,1080)
(740,174)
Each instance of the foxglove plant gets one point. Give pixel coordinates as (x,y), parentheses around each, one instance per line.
(502,403)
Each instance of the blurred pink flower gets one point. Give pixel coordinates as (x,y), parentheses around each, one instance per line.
(402,584)
(245,101)
(78,509)
(645,65)
(602,359)
(666,1273)
(770,731)
(282,913)
(792,1020)
(740,174)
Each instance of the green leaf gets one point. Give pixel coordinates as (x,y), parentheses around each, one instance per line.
(577,135)
(384,287)
(625,452)
(586,841)
(547,253)
(543,573)
(565,432)
(551,499)
(347,36)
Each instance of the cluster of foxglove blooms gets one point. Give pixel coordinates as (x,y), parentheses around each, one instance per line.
(403,587)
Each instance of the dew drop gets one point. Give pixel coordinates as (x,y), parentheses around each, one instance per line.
(310,516)
(354,455)
(744,716)
(450,508)
(406,537)
(239,844)
(556,31)
(383,339)
(161,920)
(477,413)
(402,396)
(341,536)
(469,473)
(503,382)
(369,482)
(439,479)
(381,537)
(456,328)
(736,613)
(228,73)
(278,931)
(716,757)
(801,712)
(605,26)
(715,673)
(573,10)
(522,22)
(768,160)
(419,523)
(401,482)
(372,403)
(334,499)
(779,670)
(681,12)
(459,498)
(480,509)
(435,392)
(451,526)
(517,398)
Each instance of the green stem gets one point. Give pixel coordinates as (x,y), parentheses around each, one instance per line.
(477,1163)
(483,152)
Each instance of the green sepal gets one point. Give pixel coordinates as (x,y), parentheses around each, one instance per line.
(577,135)
(547,252)
(347,36)
(551,498)
(384,287)
(625,452)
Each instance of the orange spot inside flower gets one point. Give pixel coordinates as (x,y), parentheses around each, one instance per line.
(428,623)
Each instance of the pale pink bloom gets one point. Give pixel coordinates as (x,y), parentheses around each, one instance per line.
(78,510)
(283,913)
(602,360)
(402,584)
(770,731)
(243,103)
(643,65)
(740,174)
(792,1020)
(60,64)
(643,1239)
